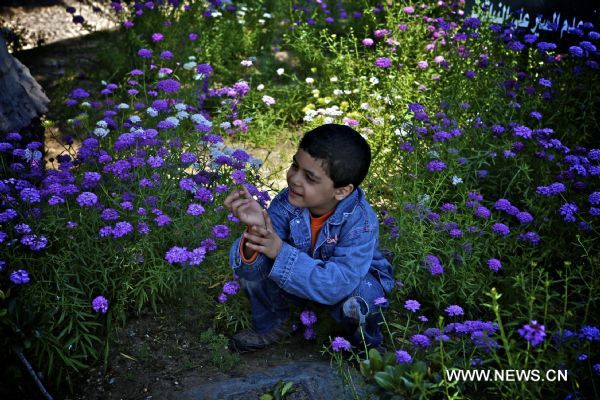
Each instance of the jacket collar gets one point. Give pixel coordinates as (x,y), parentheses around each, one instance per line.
(343,208)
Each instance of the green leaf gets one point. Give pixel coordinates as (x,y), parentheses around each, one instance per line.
(365,368)
(266,396)
(286,388)
(384,381)
(376,360)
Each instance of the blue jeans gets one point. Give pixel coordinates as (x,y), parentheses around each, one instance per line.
(270,307)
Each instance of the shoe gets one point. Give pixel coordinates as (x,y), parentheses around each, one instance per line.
(249,340)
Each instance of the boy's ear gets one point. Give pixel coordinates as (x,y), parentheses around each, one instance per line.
(342,192)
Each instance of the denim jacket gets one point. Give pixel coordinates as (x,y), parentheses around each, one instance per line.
(346,250)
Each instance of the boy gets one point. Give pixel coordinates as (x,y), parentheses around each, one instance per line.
(317,242)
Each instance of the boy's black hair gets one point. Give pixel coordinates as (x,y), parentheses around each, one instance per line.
(346,155)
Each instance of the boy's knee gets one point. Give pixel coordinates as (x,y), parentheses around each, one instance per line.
(355,309)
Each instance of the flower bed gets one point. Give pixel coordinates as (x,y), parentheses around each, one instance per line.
(485,174)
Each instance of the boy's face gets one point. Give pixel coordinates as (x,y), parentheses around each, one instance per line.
(310,186)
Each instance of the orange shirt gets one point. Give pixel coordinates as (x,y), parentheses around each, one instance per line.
(316,223)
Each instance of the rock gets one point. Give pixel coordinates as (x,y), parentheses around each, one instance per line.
(22,99)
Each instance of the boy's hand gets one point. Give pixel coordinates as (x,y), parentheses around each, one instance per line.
(244,207)
(264,239)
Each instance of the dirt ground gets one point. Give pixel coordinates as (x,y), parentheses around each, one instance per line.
(159,355)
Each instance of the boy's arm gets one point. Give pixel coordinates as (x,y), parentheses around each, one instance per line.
(258,266)
(326,282)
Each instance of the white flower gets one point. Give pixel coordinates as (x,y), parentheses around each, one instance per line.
(268,100)
(338,92)
(374,80)
(280,71)
(261,21)
(456,180)
(260,87)
(180,106)
(224,125)
(215,14)
(100,132)
(189,65)
(135,119)
(182,114)
(267,15)
(309,80)
(86,104)
(246,63)
(192,58)
(123,106)
(328,120)
(378,121)
(172,120)
(101,124)
(333,79)
(151,112)
(365,106)
(199,119)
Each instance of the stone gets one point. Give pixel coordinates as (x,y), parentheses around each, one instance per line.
(312,380)
(22,99)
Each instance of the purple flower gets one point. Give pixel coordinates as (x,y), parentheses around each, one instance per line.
(19,277)
(34,242)
(308,317)
(435,267)
(30,195)
(383,62)
(222,298)
(109,214)
(501,229)
(436,166)
(420,340)
(576,51)
(176,255)
(168,86)
(482,212)
(455,233)
(567,210)
(231,287)
(162,220)
(196,256)
(309,333)
(87,199)
(157,37)
(380,301)
(454,310)
(524,217)
(121,229)
(195,209)
(368,42)
(339,343)
(494,264)
(402,357)
(220,231)
(412,305)
(533,332)
(145,53)
(100,304)
(448,207)
(209,244)
(188,158)
(594,198)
